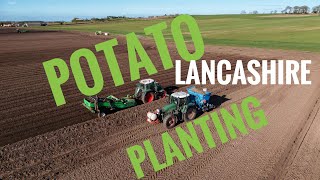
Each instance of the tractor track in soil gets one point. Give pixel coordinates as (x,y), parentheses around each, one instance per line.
(40,140)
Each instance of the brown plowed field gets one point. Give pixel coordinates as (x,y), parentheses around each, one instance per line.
(38,139)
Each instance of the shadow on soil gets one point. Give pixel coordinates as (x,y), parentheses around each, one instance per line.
(216,100)
(171,89)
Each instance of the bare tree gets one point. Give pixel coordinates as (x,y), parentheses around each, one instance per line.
(299,10)
(287,10)
(296,10)
(316,10)
(243,12)
(255,12)
(305,9)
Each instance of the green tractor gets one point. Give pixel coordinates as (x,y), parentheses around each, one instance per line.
(180,108)
(148,90)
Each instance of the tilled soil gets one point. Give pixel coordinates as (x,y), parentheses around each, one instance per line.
(31,109)
(39,140)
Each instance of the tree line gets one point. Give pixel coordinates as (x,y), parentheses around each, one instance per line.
(301,10)
(292,10)
(113,18)
(108,18)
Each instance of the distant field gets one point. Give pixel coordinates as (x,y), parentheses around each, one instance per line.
(266,31)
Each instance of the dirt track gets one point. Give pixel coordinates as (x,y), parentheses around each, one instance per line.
(71,143)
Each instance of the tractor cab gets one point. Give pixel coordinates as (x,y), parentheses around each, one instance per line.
(179,98)
(146,84)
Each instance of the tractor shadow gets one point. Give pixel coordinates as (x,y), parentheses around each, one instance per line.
(171,89)
(216,101)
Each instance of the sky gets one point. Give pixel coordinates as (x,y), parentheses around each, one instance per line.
(65,10)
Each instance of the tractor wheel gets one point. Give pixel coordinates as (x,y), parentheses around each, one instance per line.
(169,121)
(147,97)
(190,114)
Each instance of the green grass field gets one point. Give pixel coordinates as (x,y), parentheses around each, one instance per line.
(265,31)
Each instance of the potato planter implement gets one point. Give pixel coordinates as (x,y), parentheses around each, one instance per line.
(182,107)
(147,90)
(101,106)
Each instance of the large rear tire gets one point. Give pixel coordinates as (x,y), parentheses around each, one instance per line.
(190,114)
(169,121)
(147,97)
